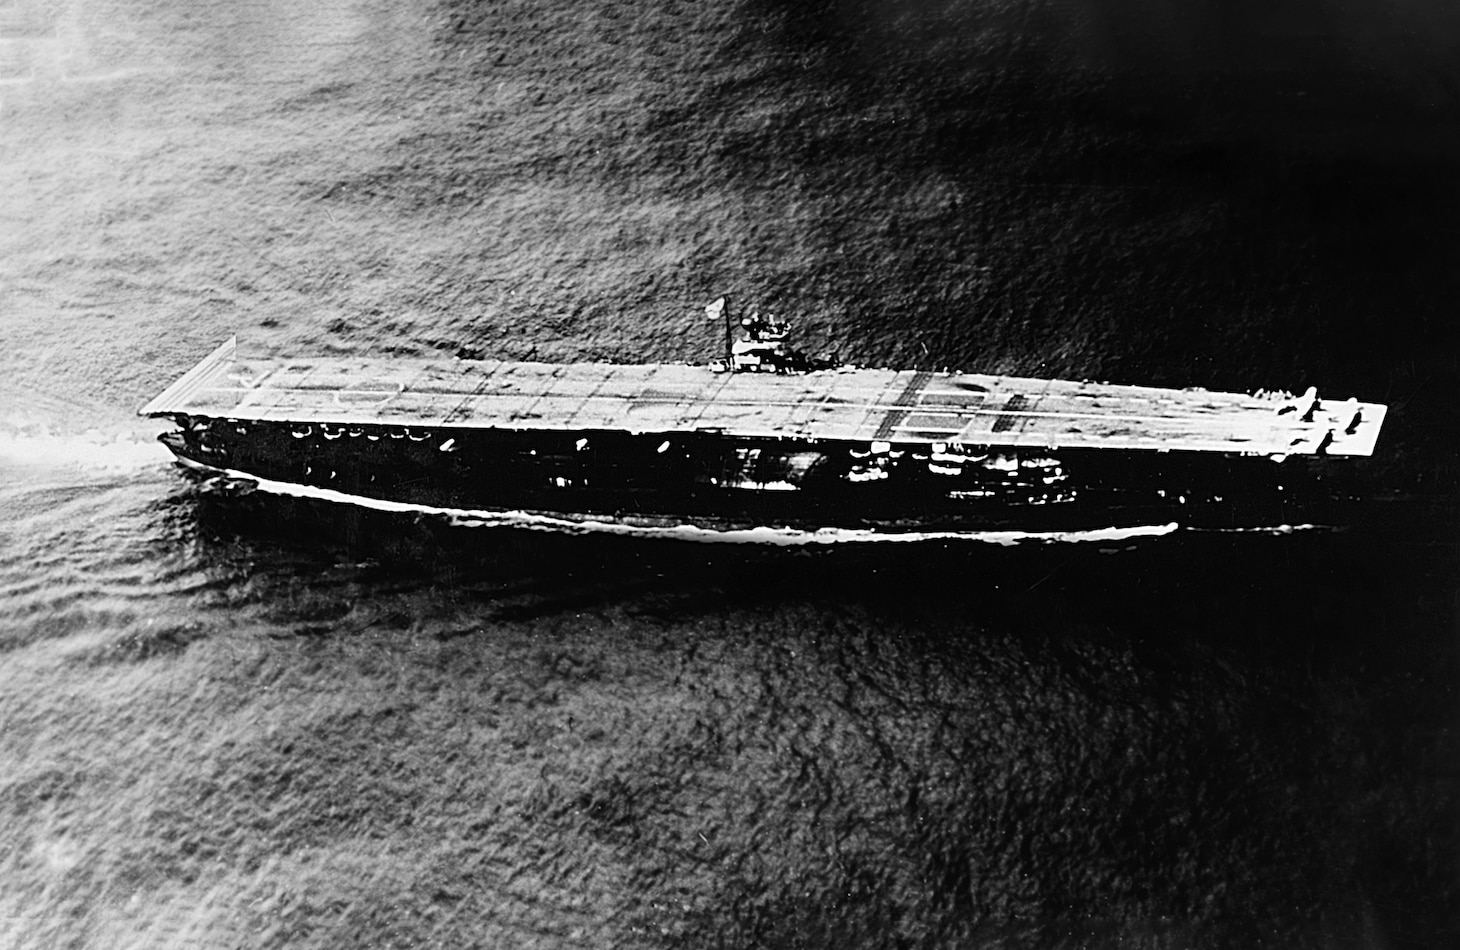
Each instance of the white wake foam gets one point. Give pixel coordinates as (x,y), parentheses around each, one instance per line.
(33,446)
(538,521)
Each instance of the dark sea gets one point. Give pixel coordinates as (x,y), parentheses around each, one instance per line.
(246,723)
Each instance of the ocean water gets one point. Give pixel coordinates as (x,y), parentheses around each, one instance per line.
(277,723)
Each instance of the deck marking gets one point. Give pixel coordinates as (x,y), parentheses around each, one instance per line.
(592,394)
(1237,417)
(553,378)
(852,405)
(476,391)
(713,398)
(1006,418)
(908,398)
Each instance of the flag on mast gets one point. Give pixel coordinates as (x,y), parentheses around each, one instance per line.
(714,310)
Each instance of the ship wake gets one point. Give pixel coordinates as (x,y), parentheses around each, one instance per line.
(231,482)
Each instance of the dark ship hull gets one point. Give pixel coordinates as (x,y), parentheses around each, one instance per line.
(724,484)
(834,454)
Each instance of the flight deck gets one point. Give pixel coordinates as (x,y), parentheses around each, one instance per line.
(845,404)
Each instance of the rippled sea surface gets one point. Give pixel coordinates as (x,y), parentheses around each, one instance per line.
(271,723)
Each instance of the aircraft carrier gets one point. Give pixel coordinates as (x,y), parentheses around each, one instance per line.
(725,448)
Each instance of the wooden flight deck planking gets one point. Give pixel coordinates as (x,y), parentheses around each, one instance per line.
(857,405)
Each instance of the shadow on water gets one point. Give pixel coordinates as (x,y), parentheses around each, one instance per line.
(1403,543)
(1197,740)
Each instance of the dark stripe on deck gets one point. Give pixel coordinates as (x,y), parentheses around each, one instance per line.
(462,410)
(1007,418)
(908,398)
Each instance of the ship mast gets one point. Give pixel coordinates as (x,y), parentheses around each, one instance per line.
(716,311)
